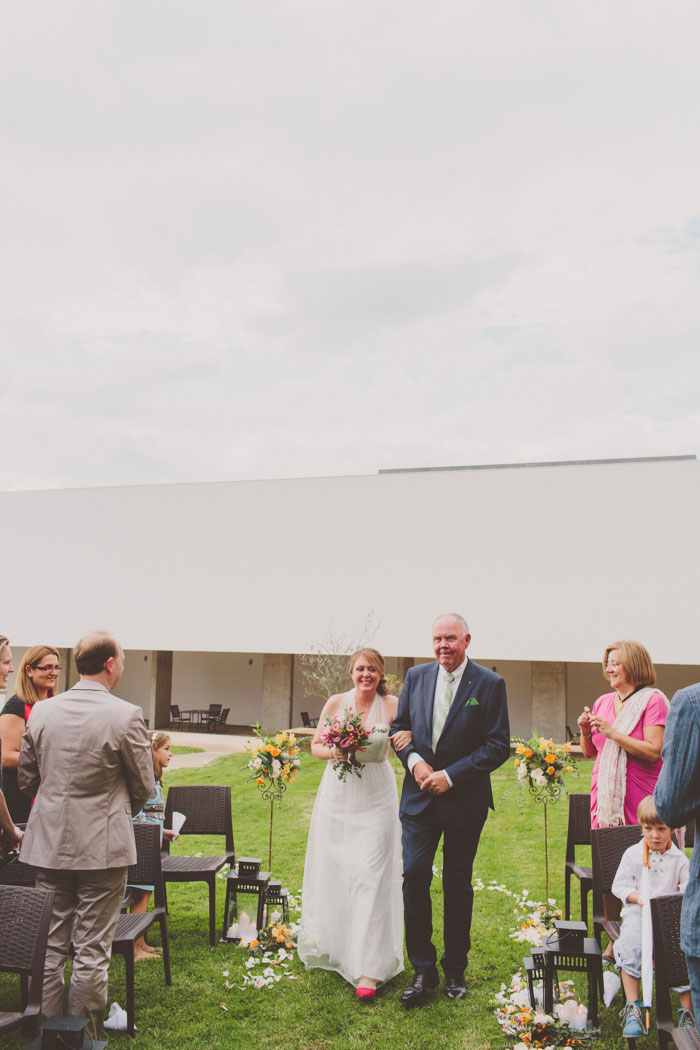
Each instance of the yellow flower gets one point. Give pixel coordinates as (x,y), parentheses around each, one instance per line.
(517,762)
(520,749)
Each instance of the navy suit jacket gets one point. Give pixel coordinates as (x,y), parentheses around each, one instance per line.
(475,739)
(677,797)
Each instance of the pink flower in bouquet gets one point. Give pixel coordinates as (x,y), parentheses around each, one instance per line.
(348,734)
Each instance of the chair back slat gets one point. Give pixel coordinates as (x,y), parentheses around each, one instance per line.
(24,925)
(207,809)
(579,829)
(147,869)
(666,919)
(607,847)
(17,874)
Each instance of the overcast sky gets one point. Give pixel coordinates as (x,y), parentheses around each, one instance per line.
(254,239)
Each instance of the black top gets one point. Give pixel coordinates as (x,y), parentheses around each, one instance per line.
(17,803)
(14,706)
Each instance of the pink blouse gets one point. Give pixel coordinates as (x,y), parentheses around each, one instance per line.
(641,776)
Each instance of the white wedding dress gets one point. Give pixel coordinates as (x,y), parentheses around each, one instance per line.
(351,918)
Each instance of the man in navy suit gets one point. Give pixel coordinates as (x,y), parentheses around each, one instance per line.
(458,715)
(677,798)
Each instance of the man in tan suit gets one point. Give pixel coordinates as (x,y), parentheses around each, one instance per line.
(85,758)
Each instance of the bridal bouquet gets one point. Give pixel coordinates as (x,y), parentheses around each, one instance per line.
(349,735)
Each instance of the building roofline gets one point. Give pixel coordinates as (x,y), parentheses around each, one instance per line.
(542,463)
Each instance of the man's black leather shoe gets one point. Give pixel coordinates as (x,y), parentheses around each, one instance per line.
(455,987)
(416,992)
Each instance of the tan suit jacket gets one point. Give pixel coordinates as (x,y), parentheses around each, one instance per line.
(86,758)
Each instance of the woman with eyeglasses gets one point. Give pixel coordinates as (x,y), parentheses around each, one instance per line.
(36,680)
(9,834)
(624,733)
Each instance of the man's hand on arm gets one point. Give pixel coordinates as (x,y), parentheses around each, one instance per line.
(437,783)
(421,770)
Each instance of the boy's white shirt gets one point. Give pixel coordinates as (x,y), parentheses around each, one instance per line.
(669,872)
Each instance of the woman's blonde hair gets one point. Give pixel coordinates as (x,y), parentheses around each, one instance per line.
(375,659)
(4,642)
(24,686)
(158,740)
(636,661)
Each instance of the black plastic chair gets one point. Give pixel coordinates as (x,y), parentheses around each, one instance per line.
(146,871)
(179,718)
(578,834)
(208,812)
(308,723)
(223,719)
(25,914)
(607,847)
(210,718)
(670,970)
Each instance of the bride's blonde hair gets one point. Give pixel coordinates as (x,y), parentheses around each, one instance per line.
(375,660)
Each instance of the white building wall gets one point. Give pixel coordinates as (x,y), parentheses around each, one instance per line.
(526,554)
(231,679)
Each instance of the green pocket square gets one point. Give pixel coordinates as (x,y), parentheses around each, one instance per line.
(472,702)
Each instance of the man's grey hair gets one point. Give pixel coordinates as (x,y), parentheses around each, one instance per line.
(455,616)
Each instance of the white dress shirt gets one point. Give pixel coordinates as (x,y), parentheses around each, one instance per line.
(669,872)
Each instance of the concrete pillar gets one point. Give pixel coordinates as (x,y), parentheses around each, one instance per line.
(548,681)
(64,679)
(278,691)
(161,695)
(403,666)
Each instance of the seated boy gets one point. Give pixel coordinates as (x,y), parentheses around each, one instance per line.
(669,874)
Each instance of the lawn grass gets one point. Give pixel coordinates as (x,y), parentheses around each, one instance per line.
(185,749)
(318,1011)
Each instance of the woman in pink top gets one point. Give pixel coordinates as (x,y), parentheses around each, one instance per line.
(624,733)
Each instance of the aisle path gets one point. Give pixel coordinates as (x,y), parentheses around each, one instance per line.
(215,745)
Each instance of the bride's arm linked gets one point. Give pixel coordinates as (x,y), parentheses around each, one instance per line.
(318,749)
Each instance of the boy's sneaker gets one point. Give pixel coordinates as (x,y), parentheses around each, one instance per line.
(686,1018)
(633,1020)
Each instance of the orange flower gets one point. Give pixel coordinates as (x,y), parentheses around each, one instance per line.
(528,752)
(253,944)
(274,751)
(550,770)
(550,758)
(260,780)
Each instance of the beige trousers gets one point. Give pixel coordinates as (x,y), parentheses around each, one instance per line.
(85,911)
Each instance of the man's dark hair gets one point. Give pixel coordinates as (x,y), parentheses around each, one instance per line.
(93,651)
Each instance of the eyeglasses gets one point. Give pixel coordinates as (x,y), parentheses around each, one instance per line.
(49,669)
(612,664)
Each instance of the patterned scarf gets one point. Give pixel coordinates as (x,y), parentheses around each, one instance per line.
(612,771)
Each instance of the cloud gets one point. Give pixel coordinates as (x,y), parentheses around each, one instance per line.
(287,239)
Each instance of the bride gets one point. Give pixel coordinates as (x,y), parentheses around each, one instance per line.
(351,901)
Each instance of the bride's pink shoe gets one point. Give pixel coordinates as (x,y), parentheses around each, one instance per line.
(365,993)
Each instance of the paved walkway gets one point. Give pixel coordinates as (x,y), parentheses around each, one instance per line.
(214,745)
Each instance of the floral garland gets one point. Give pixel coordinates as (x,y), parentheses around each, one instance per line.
(271,954)
(535,1028)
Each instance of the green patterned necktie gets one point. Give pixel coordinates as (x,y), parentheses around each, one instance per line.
(442,708)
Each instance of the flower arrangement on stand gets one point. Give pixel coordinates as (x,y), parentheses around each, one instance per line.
(541,765)
(274,764)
